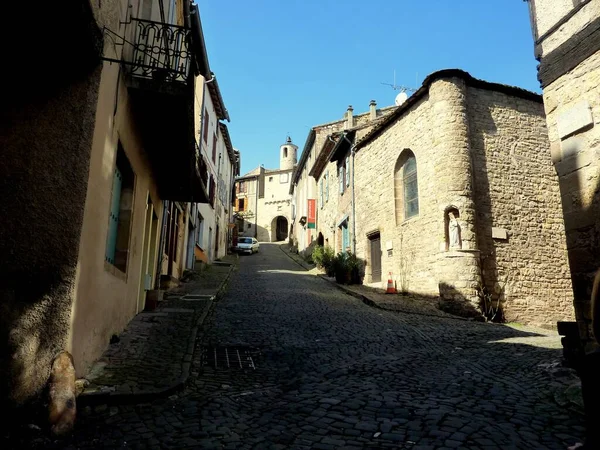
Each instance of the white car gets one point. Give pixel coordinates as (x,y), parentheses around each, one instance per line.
(247,245)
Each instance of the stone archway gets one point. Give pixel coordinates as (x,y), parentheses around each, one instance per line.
(279,229)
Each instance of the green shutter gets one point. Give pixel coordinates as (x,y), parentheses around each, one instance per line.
(345,237)
(113,220)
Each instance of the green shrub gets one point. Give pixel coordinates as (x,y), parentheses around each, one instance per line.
(323,257)
(348,268)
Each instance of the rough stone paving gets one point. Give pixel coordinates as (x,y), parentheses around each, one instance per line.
(149,355)
(333,372)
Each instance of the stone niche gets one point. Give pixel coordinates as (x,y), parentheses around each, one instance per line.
(452,229)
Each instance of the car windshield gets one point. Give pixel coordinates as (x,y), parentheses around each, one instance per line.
(245,240)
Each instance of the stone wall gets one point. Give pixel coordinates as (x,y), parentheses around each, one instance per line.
(46,129)
(551,12)
(480,152)
(414,242)
(572,103)
(517,195)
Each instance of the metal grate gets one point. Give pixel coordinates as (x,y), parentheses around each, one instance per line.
(229,357)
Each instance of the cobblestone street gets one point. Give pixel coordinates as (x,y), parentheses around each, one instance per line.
(332,372)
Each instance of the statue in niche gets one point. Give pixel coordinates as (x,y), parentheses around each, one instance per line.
(453,233)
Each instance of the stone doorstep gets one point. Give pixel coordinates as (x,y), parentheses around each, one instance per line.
(124,393)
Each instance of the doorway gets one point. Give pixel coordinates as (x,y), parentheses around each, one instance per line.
(279,229)
(375,256)
(148,254)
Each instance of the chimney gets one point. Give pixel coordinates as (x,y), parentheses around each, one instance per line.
(349,117)
(373,110)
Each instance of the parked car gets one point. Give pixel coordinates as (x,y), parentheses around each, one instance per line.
(247,245)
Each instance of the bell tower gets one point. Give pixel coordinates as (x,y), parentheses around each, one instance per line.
(288,155)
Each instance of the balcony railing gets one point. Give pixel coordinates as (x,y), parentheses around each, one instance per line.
(159,51)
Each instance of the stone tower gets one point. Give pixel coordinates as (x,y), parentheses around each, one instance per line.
(288,155)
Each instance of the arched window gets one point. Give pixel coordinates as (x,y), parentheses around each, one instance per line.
(406,186)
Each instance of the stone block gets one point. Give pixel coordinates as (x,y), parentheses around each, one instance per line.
(574,119)
(499,233)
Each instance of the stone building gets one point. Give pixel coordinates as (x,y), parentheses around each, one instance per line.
(316,204)
(453,193)
(262,199)
(211,225)
(100,164)
(567,44)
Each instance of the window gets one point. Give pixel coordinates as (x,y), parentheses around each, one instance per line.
(199,231)
(214,148)
(270,179)
(283,178)
(241,186)
(241,204)
(211,191)
(406,186)
(205,125)
(121,208)
(285,149)
(345,236)
(321,193)
(347,171)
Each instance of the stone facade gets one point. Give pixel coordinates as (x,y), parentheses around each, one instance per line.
(479,151)
(567,44)
(313,169)
(267,217)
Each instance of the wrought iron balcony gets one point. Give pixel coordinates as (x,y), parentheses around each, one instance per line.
(156,51)
(160,51)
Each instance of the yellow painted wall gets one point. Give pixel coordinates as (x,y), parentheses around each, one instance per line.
(105,298)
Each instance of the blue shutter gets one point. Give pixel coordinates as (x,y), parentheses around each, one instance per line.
(345,237)
(113,222)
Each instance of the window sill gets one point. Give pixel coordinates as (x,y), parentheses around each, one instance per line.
(114,271)
(409,220)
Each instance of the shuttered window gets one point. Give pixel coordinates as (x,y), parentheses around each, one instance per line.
(348,171)
(345,236)
(113,220)
(120,213)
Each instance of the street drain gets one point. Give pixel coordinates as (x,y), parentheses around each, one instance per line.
(228,357)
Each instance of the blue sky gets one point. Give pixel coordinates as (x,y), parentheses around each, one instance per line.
(286,65)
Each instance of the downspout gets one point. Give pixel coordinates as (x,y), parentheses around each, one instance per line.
(352,152)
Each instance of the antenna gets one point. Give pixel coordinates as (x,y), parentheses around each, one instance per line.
(402,95)
(399,87)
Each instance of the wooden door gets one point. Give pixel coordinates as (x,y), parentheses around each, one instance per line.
(375,244)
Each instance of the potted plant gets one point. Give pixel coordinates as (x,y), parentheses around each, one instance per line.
(341,268)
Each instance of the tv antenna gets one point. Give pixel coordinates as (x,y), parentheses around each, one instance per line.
(402,95)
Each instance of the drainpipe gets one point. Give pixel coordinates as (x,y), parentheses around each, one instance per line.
(352,152)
